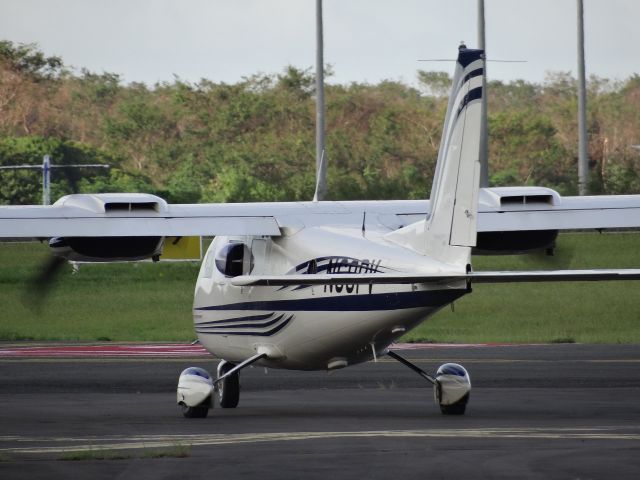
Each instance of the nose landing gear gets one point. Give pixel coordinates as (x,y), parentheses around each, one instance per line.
(195,387)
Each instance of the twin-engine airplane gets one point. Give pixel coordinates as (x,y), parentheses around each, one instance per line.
(325,285)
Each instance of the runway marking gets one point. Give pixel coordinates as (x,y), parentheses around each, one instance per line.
(426,346)
(105,351)
(171,350)
(75,444)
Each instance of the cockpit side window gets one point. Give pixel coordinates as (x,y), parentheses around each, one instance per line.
(231,258)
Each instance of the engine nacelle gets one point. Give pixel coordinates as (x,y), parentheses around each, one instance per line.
(509,243)
(106,249)
(452,388)
(515,199)
(195,388)
(115,247)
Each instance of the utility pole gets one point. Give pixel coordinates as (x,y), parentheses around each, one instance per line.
(484,130)
(46,173)
(583,153)
(321,160)
(46,180)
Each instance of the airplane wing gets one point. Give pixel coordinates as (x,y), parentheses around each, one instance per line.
(132,215)
(506,209)
(535,208)
(513,209)
(474,277)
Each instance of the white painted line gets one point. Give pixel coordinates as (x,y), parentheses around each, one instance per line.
(156,441)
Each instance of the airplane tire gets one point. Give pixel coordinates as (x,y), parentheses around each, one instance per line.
(229,388)
(194,412)
(456,409)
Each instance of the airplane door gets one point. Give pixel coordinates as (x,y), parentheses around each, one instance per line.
(259,254)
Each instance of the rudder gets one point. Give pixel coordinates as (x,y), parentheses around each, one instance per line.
(449,231)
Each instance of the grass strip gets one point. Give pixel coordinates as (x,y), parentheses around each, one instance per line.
(152,302)
(175,451)
(95,454)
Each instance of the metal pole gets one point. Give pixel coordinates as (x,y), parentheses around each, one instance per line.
(484,130)
(583,153)
(321,169)
(481,36)
(46,168)
(46,180)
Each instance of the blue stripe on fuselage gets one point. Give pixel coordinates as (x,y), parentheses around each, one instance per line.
(353,303)
(269,333)
(240,325)
(235,319)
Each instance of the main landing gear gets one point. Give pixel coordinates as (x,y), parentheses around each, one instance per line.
(196,387)
(451,385)
(228,386)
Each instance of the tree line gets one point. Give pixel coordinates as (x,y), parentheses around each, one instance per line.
(254,140)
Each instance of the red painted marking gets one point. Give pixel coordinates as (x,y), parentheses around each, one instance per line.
(105,351)
(174,350)
(422,346)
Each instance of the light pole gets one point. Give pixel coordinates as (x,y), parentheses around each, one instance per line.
(484,127)
(583,153)
(321,160)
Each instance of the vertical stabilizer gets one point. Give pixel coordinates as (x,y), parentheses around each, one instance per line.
(449,231)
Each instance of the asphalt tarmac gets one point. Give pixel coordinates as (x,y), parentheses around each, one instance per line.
(549,411)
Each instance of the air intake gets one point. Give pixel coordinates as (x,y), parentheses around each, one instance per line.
(131,207)
(518,197)
(118,203)
(526,200)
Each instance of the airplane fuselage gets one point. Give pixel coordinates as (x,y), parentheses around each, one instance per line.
(308,327)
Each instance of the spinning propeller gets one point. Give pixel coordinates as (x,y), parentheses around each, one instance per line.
(40,284)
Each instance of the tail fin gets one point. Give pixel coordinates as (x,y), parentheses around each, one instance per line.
(449,231)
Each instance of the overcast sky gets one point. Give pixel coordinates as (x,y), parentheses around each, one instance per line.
(365,40)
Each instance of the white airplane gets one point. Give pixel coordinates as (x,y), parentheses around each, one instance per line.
(325,285)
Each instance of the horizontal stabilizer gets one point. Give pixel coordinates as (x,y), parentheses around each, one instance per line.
(555,276)
(340,279)
(407,278)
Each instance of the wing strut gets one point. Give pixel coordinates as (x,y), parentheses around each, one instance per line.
(413,367)
(240,366)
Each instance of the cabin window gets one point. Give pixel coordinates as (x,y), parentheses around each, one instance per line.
(312,267)
(233,259)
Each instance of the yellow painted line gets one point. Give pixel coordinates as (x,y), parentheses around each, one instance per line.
(157,441)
